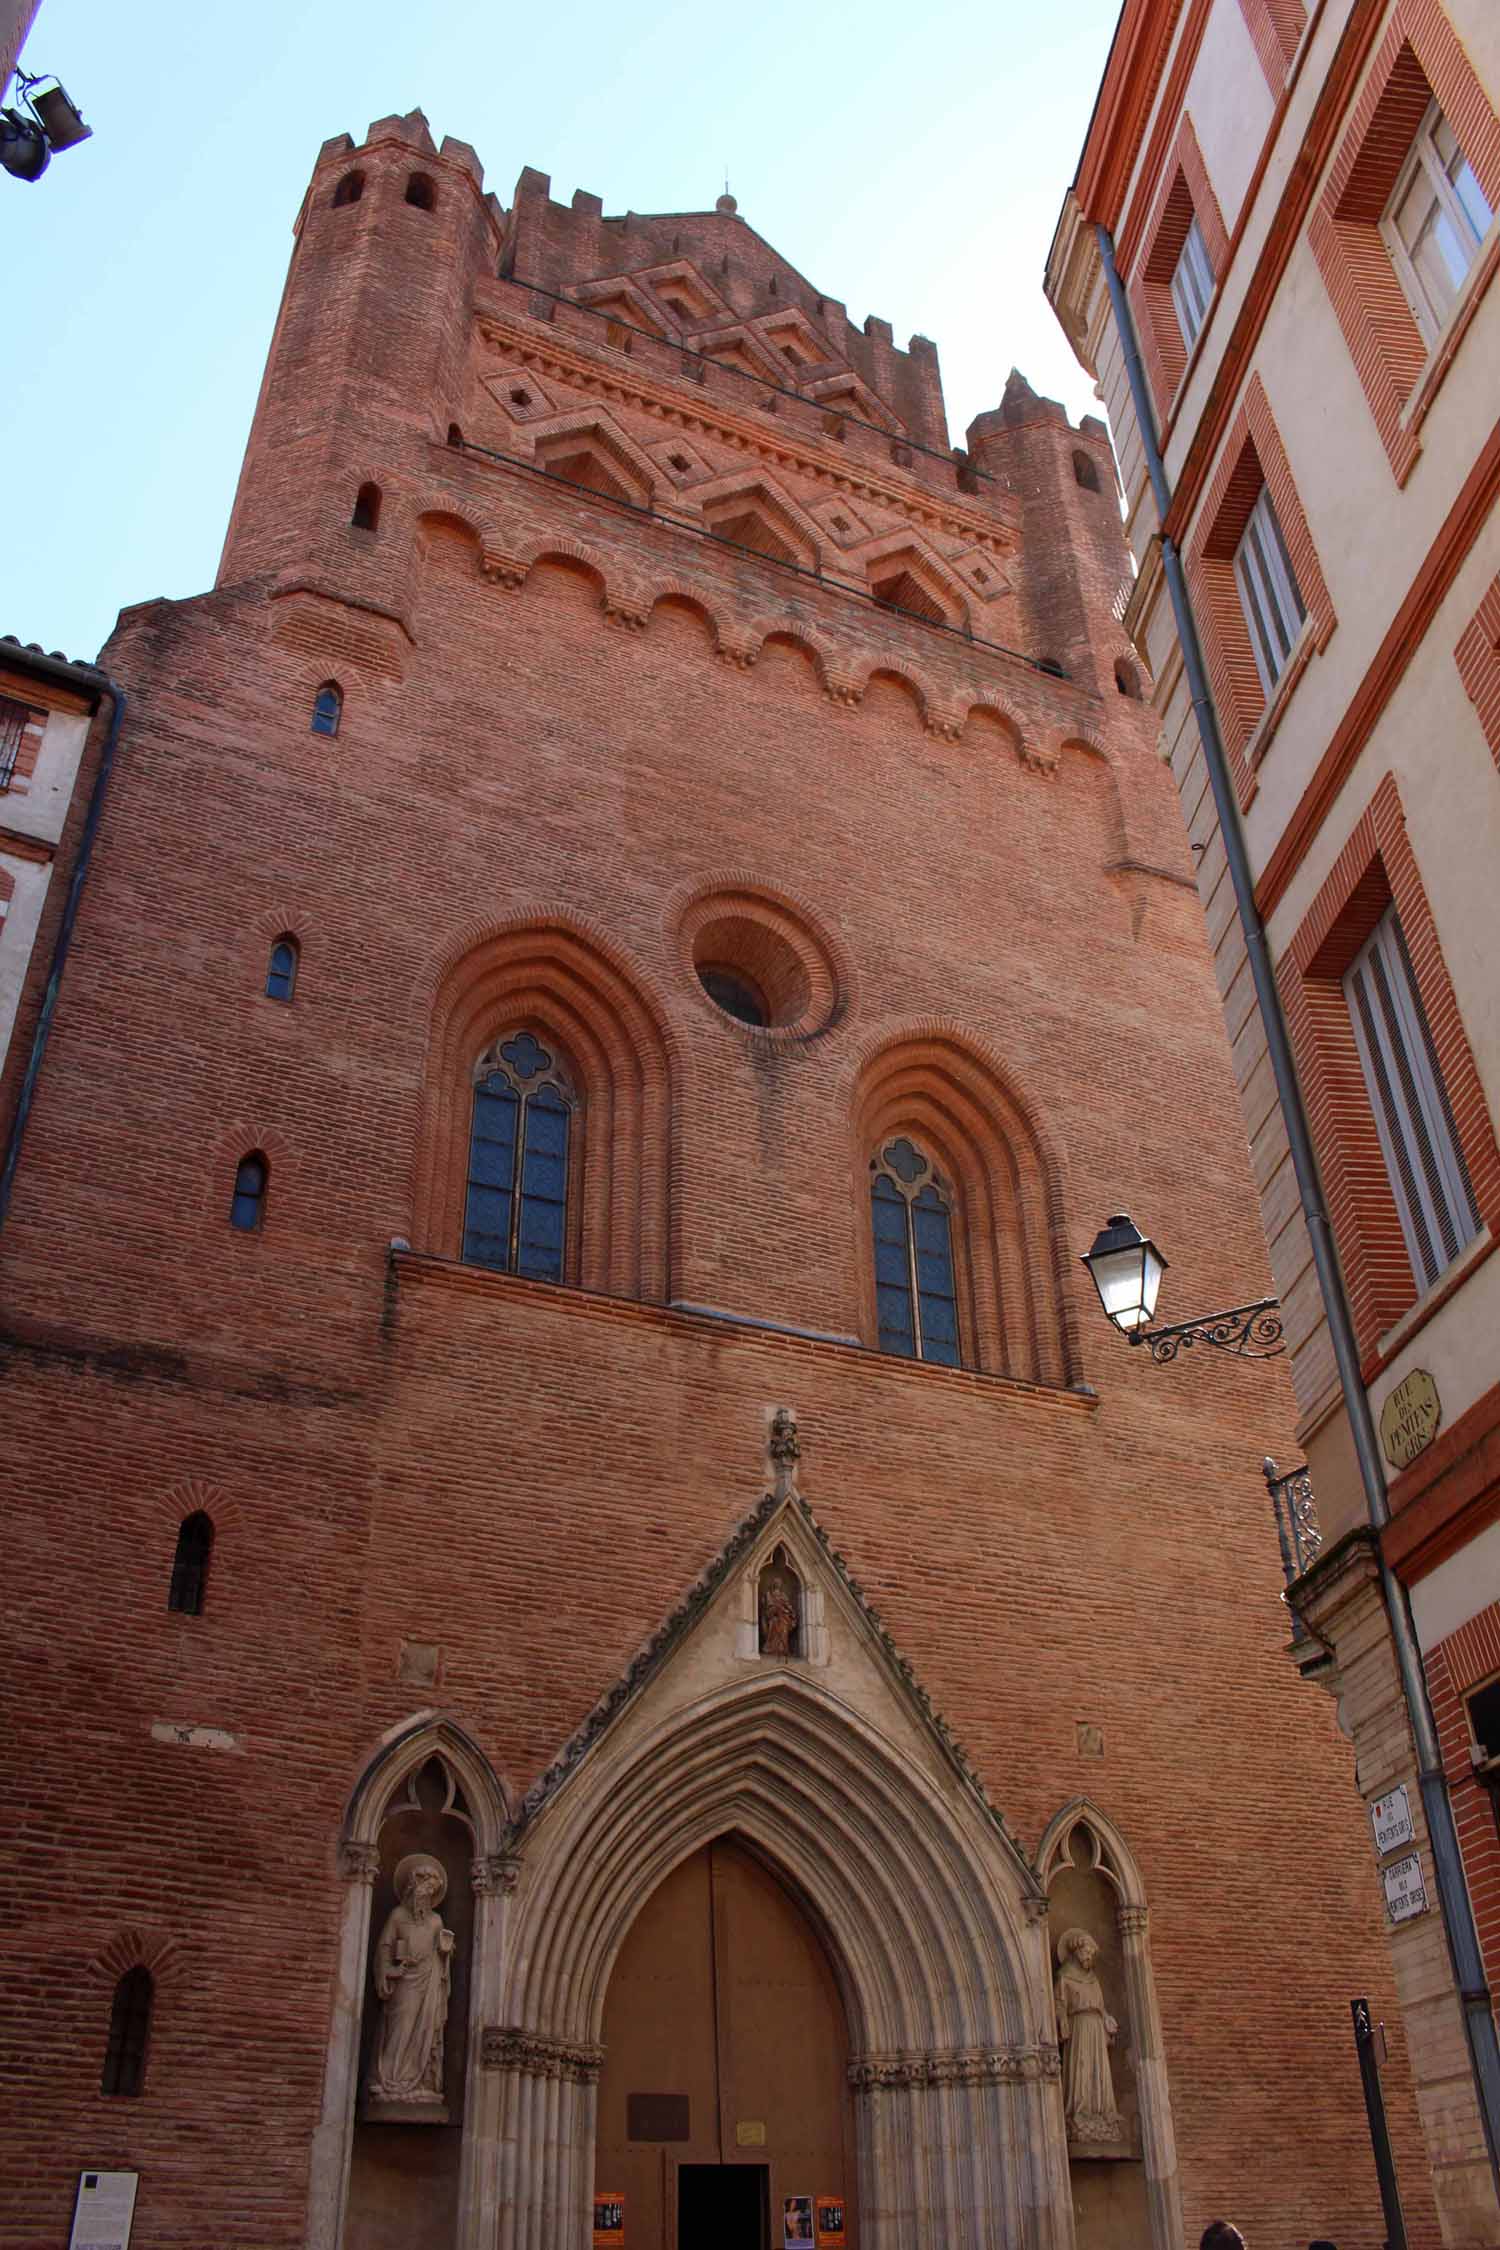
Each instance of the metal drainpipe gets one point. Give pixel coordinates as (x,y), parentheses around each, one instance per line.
(93,683)
(1453,1890)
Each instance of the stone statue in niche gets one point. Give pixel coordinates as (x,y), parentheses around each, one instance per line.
(1084,2030)
(413,1978)
(780,1607)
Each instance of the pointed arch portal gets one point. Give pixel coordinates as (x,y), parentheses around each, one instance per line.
(927,1915)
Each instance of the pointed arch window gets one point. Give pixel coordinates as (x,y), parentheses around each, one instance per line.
(129,2029)
(281,969)
(195,1540)
(247,1206)
(516,1211)
(328,709)
(911,1217)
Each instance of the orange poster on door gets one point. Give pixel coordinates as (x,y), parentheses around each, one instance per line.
(609,2222)
(830,2223)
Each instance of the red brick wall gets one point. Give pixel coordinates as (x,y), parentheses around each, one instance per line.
(563,720)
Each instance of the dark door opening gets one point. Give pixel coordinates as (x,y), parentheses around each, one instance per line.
(721,2206)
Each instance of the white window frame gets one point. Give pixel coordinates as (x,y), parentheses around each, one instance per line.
(1418,1139)
(1425,157)
(1269,594)
(1192,284)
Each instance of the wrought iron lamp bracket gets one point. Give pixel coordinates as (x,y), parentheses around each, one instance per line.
(1244,1332)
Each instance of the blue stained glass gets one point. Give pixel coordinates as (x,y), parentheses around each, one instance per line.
(525,1055)
(249,1194)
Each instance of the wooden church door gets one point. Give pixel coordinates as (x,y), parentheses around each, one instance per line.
(724,2118)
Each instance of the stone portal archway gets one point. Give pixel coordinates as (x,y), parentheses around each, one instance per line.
(930,1915)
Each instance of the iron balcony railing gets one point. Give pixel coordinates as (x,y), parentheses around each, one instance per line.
(1296,1527)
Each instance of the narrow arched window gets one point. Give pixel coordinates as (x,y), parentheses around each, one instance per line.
(1085,473)
(916,1295)
(420,192)
(516,1212)
(129,2029)
(455,434)
(195,1540)
(328,708)
(349,190)
(248,1205)
(1126,679)
(366,516)
(281,969)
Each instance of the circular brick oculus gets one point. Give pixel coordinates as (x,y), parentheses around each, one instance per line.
(760,962)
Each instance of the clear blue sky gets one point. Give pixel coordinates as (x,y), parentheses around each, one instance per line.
(911,161)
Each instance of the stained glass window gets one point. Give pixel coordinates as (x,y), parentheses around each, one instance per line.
(516,1213)
(248,1205)
(915,1291)
(281,970)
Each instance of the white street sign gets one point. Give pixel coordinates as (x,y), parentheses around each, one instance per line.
(1405,1892)
(1390,1817)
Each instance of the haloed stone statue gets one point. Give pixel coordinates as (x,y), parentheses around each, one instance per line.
(1084,2030)
(413,1977)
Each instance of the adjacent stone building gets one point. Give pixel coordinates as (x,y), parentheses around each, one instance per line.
(1302,208)
(599,1637)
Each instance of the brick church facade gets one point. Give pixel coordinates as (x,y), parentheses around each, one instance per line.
(638,933)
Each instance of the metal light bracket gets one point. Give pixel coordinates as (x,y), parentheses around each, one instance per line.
(1243,1332)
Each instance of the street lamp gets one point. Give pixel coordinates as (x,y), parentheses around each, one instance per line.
(1126,1268)
(45,125)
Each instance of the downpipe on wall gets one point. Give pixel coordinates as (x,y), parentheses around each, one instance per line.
(1453,1890)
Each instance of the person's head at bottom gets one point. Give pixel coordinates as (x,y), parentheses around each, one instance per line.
(1220,2235)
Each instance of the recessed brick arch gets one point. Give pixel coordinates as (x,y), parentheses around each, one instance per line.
(946,1093)
(576,991)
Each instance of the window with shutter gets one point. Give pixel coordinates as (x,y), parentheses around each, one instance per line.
(1418,1140)
(1269,593)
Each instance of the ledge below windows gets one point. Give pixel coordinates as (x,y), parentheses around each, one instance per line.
(421,1269)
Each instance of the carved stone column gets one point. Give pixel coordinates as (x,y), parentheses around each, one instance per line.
(1158,2142)
(546,2109)
(492,1877)
(960,2147)
(333,2136)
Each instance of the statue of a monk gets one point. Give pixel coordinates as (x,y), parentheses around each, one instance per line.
(413,1976)
(1084,2030)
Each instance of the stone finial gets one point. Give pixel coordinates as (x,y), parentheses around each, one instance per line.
(727,204)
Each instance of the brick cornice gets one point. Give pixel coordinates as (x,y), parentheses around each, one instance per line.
(421,1269)
(541,348)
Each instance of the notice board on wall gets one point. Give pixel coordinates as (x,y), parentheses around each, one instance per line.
(104,2211)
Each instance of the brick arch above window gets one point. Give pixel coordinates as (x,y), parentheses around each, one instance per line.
(935,1087)
(1419,59)
(573,991)
(1478,658)
(1376,869)
(1186,193)
(1253,458)
(1275,28)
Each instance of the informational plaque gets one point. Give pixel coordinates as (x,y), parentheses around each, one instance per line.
(609,2222)
(1405,1891)
(829,2220)
(105,2209)
(1390,1817)
(1409,1418)
(750,2132)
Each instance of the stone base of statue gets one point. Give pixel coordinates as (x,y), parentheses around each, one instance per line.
(1108,2148)
(428,2110)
